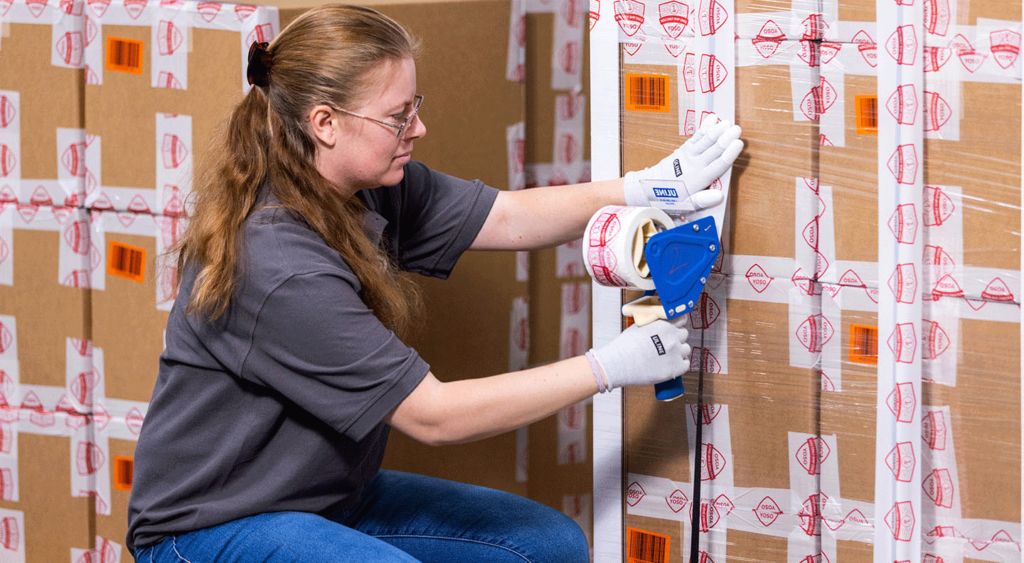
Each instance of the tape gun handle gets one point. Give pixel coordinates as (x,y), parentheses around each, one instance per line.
(645,310)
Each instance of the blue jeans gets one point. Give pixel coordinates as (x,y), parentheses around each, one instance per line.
(401,517)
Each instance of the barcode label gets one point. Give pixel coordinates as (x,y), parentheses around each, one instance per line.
(864,344)
(867,115)
(124,55)
(647,92)
(126,261)
(646,547)
(124,473)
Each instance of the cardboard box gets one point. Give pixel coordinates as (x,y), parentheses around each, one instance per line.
(41,113)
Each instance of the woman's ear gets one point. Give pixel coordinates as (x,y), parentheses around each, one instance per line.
(322,121)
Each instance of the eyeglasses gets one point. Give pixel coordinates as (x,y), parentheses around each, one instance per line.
(418,101)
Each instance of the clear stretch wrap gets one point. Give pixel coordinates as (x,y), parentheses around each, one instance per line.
(862,332)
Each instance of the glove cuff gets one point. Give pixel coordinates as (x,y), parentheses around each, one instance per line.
(602,385)
(632,191)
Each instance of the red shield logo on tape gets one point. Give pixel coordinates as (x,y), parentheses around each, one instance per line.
(901,461)
(77,237)
(903,223)
(632,47)
(809,53)
(709,516)
(6,338)
(571,12)
(674,17)
(36,7)
(818,100)
(630,16)
(935,58)
(10,535)
(938,485)
(933,430)
(935,340)
(829,51)
(855,517)
(134,8)
(929,558)
(595,13)
(5,6)
(263,32)
(902,402)
(758,278)
(705,313)
(73,159)
(712,463)
(635,493)
(7,160)
(936,16)
(712,16)
(208,10)
(677,501)
(867,48)
(674,48)
(969,57)
(573,344)
(814,27)
(900,521)
(40,197)
(243,11)
(902,104)
(904,164)
(936,111)
(903,283)
(997,290)
(689,78)
(91,77)
(98,7)
(767,511)
(707,413)
(814,333)
(712,73)
(169,38)
(570,57)
(810,514)
(946,287)
(7,112)
(168,80)
(903,343)
(711,363)
(768,39)
(91,31)
(174,151)
(70,47)
(902,45)
(811,454)
(89,458)
(1005,47)
(938,207)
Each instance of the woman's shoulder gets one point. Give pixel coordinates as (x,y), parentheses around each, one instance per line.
(279,242)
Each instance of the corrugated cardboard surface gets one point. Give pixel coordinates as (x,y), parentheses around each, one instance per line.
(50,97)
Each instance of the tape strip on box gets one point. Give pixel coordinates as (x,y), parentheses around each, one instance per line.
(10,146)
(567,50)
(515,68)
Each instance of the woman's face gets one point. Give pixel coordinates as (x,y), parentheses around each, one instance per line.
(368,154)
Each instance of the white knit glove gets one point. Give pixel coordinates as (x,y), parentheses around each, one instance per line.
(642,355)
(700,161)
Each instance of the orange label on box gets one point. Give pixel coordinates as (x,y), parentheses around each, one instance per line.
(864,344)
(867,114)
(647,92)
(124,471)
(127,262)
(124,55)
(646,547)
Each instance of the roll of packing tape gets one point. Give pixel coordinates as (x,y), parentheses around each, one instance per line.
(615,239)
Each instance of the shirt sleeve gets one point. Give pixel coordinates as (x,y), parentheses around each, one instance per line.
(439,218)
(317,344)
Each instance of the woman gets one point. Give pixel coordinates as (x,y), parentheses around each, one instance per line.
(283,372)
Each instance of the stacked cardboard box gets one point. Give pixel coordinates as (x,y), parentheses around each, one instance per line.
(802,388)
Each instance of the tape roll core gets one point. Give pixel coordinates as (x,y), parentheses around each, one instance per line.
(614,245)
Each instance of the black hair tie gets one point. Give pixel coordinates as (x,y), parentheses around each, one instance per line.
(260,61)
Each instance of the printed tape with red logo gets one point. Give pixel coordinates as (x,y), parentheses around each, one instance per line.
(568,166)
(567,51)
(569,260)
(515,67)
(614,241)
(519,335)
(515,139)
(10,147)
(7,219)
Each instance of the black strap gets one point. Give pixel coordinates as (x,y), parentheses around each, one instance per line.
(697,458)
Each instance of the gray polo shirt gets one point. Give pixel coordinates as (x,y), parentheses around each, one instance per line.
(279,404)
